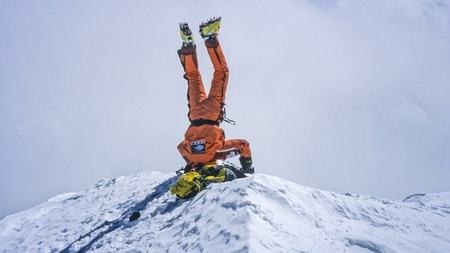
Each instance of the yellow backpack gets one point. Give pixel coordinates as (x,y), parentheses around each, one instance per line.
(188,185)
(216,173)
(193,182)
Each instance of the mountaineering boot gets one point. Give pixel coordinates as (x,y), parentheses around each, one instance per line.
(210,28)
(246,164)
(186,35)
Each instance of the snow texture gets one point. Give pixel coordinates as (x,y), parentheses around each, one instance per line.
(256,214)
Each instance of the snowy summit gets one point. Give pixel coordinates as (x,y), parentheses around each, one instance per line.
(256,214)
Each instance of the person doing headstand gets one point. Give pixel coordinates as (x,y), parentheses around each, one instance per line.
(204,141)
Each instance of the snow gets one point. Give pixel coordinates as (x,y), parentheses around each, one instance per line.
(260,213)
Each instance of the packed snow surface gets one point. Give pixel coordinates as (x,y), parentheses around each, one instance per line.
(256,214)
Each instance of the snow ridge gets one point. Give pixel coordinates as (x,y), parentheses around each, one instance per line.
(256,214)
(110,226)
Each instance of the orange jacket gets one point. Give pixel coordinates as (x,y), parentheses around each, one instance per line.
(206,144)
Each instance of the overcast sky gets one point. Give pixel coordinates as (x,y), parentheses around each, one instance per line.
(346,96)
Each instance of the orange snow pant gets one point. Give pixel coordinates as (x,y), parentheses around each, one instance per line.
(204,140)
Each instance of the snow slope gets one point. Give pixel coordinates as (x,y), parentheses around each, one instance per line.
(256,214)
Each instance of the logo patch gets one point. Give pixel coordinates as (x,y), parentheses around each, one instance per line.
(198,147)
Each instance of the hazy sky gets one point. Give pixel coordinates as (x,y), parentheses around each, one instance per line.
(347,96)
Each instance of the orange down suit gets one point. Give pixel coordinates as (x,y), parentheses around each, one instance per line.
(204,141)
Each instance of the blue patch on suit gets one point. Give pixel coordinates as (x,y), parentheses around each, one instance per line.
(198,147)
